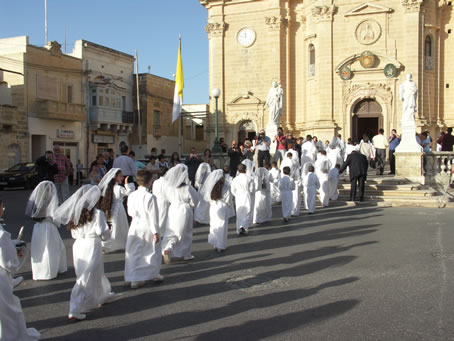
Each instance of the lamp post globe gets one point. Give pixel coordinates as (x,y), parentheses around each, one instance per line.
(216,93)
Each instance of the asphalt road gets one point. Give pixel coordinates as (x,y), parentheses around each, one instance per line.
(345,273)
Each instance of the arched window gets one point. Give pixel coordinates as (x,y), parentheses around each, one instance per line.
(428,53)
(311,69)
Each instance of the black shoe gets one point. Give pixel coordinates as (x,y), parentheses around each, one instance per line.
(361,199)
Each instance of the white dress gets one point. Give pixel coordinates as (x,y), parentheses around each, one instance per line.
(119,219)
(333,181)
(48,253)
(228,182)
(275,176)
(163,204)
(92,287)
(143,256)
(202,211)
(12,320)
(262,202)
(286,186)
(310,184)
(243,189)
(178,237)
(322,167)
(308,152)
(219,219)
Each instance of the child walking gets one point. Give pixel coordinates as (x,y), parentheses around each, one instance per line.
(311,184)
(143,248)
(48,253)
(286,187)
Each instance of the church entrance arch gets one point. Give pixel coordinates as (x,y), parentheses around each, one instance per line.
(246,131)
(367,119)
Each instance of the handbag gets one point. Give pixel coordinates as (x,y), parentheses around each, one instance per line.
(372,163)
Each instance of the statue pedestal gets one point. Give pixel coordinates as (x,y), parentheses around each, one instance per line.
(271,131)
(408,143)
(409,154)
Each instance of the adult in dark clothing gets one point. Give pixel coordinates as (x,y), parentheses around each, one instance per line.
(235,158)
(193,163)
(109,159)
(358,165)
(47,167)
(447,141)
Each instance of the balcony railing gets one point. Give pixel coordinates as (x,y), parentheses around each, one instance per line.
(127,117)
(437,168)
(50,109)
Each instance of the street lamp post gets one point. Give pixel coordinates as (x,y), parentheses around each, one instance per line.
(216,146)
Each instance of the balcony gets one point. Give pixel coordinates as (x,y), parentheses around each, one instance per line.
(54,110)
(127,117)
(105,118)
(8,116)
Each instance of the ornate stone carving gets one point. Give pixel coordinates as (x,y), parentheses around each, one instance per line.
(368,32)
(411,5)
(323,13)
(274,23)
(54,48)
(215,29)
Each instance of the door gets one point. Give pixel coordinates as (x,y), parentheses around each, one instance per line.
(366,119)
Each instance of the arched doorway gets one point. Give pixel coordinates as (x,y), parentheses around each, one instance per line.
(246,131)
(367,119)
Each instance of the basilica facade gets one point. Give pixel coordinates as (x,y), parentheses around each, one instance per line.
(340,63)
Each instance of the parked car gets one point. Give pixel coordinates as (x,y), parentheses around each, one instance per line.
(20,175)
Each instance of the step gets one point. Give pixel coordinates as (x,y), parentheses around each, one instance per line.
(433,202)
(385,187)
(394,193)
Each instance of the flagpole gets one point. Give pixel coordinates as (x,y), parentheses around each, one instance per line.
(180,125)
(45,21)
(139,120)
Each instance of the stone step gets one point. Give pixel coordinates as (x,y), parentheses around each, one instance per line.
(431,202)
(394,193)
(383,187)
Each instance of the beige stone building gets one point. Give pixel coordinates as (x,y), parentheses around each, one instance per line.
(158,131)
(340,63)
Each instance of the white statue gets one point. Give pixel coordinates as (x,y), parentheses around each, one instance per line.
(275,102)
(408,95)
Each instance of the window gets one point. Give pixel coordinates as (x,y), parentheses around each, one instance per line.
(156,118)
(107,100)
(93,100)
(311,69)
(199,133)
(101,101)
(123,103)
(428,49)
(69,92)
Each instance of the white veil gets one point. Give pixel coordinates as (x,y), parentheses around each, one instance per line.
(88,201)
(262,178)
(305,170)
(64,213)
(210,182)
(249,167)
(177,175)
(43,201)
(104,183)
(201,175)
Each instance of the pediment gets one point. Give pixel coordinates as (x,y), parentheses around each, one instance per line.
(247,98)
(368,8)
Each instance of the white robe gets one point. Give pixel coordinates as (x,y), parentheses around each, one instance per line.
(322,167)
(334,156)
(228,182)
(262,202)
(202,210)
(286,186)
(295,175)
(311,184)
(163,204)
(92,287)
(119,219)
(143,256)
(48,253)
(244,191)
(275,176)
(219,219)
(333,181)
(178,237)
(308,152)
(12,320)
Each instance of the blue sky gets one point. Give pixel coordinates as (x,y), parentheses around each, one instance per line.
(151,26)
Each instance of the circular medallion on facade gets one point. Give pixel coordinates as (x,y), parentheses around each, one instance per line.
(390,70)
(367,59)
(346,73)
(246,37)
(368,32)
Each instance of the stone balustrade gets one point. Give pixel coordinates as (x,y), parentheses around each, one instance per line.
(437,168)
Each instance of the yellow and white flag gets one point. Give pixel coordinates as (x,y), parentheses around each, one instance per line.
(179,85)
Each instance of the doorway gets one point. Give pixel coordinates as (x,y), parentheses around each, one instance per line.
(246,131)
(366,120)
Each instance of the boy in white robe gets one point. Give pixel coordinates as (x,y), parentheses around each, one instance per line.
(333,181)
(311,184)
(243,189)
(262,202)
(143,248)
(286,187)
(12,320)
(322,167)
(275,176)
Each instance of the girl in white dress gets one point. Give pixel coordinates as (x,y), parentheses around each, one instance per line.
(48,253)
(275,176)
(12,320)
(310,184)
(217,191)
(262,202)
(159,192)
(201,212)
(177,241)
(88,227)
(112,205)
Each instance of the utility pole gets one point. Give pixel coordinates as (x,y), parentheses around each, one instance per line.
(139,125)
(45,21)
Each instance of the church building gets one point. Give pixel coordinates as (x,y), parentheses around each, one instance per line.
(340,64)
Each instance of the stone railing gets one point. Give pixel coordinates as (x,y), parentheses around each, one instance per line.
(437,168)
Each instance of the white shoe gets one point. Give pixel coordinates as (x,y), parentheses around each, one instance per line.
(191,257)
(136,285)
(17,281)
(109,297)
(78,317)
(158,278)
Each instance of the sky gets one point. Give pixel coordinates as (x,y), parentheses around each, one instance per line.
(150,26)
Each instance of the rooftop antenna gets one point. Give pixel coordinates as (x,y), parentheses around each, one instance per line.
(149,68)
(65,38)
(45,20)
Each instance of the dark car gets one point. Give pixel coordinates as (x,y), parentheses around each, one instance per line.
(20,175)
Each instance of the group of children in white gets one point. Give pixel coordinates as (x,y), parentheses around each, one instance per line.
(162,220)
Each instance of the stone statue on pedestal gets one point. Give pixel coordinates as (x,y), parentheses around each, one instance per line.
(275,101)
(408,95)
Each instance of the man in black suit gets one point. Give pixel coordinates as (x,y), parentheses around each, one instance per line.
(358,165)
